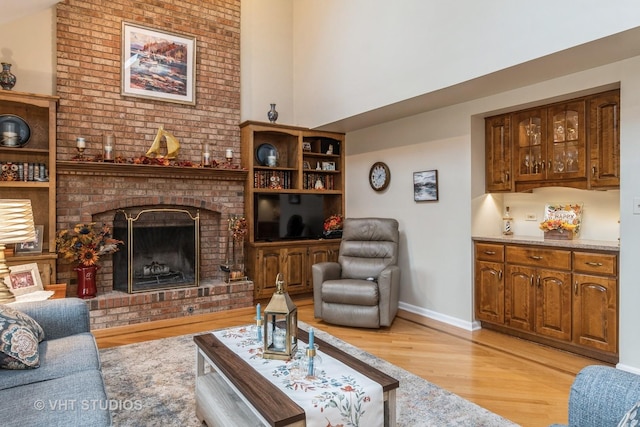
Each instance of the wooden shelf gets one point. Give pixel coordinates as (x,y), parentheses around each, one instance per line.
(129,169)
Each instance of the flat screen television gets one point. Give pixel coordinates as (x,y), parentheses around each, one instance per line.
(288,216)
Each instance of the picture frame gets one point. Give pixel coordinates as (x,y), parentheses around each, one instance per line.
(24,279)
(34,246)
(328,166)
(425,186)
(145,73)
(306,165)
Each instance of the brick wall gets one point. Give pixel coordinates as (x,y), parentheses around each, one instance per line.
(91,105)
(88,77)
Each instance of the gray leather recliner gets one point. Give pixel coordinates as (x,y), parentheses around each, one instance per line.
(362,288)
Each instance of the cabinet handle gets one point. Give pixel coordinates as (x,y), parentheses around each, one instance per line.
(531,280)
(594,264)
(549,161)
(575,288)
(490,252)
(538,281)
(499,274)
(506,176)
(535,257)
(593,171)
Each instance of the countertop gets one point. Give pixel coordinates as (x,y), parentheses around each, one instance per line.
(600,245)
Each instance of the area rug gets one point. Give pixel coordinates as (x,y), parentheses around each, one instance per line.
(152,384)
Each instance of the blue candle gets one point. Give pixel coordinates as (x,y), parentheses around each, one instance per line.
(310,337)
(258,311)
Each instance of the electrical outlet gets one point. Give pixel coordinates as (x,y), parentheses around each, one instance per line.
(531,217)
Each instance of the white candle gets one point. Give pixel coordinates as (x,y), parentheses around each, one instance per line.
(80,143)
(310,337)
(229,154)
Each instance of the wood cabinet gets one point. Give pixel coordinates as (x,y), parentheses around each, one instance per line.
(489,282)
(595,301)
(39,112)
(498,154)
(538,291)
(293,261)
(562,297)
(604,140)
(292,171)
(573,144)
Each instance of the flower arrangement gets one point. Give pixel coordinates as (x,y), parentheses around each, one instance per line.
(557,224)
(238,227)
(334,222)
(86,243)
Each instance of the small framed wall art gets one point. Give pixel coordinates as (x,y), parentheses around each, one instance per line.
(34,246)
(425,186)
(158,64)
(24,279)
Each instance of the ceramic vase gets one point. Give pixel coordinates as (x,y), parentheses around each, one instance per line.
(87,281)
(7,80)
(272,114)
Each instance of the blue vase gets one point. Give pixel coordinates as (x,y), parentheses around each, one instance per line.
(272,114)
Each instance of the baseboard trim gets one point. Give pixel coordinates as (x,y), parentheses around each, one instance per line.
(414,313)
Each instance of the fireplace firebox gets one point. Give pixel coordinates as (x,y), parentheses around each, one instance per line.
(161,249)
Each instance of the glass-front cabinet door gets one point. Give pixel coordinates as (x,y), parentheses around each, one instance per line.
(529,143)
(566,141)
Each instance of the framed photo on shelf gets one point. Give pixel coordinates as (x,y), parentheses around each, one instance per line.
(328,166)
(306,165)
(425,186)
(157,64)
(24,279)
(34,246)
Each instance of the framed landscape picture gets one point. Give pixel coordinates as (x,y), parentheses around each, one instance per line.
(158,64)
(425,186)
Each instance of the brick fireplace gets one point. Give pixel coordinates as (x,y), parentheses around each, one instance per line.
(94,192)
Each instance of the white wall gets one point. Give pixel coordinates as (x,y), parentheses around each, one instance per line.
(359,55)
(266,64)
(29,44)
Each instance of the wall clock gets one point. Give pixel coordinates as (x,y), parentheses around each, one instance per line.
(379,176)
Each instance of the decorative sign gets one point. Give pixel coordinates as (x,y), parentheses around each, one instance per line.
(566,216)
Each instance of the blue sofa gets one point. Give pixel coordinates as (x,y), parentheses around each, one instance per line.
(67,389)
(601,396)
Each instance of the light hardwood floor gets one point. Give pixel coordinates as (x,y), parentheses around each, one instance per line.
(523,382)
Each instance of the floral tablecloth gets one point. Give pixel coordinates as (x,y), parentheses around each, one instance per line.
(337,394)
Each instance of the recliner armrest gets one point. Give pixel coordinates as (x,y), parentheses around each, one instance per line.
(321,272)
(58,317)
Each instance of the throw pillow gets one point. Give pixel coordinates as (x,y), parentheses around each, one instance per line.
(19,338)
(631,418)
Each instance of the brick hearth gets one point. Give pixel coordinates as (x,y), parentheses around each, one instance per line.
(93,192)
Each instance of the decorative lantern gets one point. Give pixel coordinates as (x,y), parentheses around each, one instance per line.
(280,325)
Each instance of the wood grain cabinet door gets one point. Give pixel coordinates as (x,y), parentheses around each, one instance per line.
(553,304)
(269,265)
(489,292)
(498,154)
(294,262)
(604,140)
(520,297)
(595,312)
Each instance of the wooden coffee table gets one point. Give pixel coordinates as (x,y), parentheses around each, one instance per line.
(233,393)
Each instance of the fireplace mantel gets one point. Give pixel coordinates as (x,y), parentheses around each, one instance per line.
(134,170)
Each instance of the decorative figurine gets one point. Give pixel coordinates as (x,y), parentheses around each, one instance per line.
(173,146)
